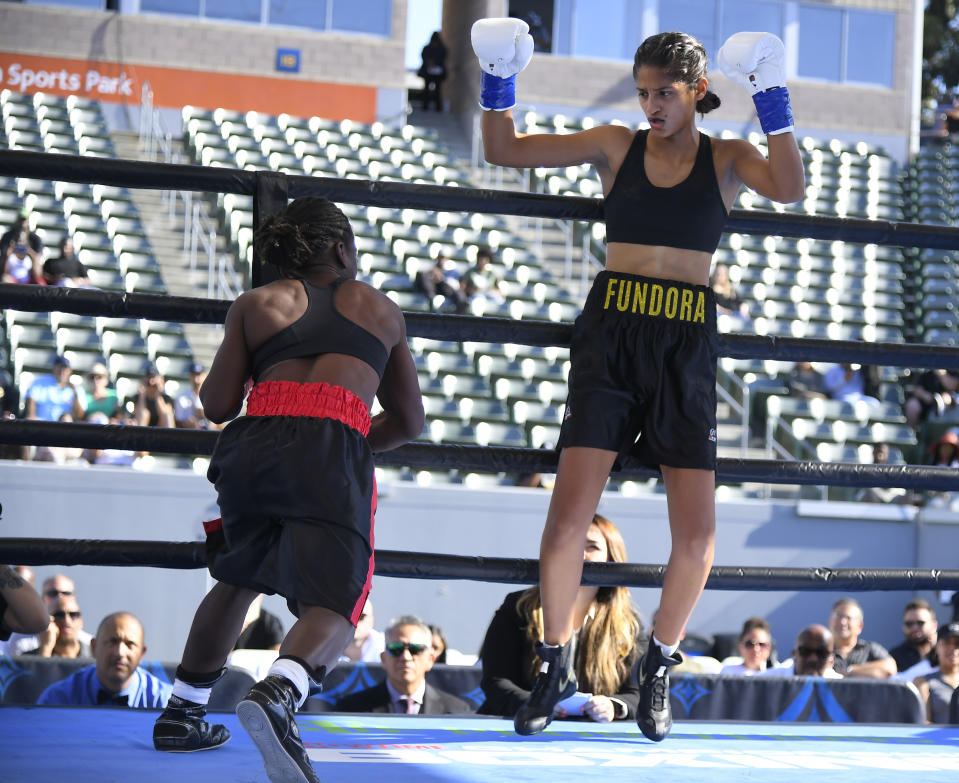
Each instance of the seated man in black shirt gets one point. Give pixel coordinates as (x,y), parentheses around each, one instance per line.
(66,268)
(152,406)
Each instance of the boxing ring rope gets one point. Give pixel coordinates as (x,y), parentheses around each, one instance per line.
(417,565)
(271,190)
(157,307)
(489,458)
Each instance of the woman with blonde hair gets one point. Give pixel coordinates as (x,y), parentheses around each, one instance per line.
(608,642)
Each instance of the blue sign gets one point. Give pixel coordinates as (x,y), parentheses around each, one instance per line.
(288,60)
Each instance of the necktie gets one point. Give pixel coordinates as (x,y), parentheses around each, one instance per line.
(410,706)
(105,697)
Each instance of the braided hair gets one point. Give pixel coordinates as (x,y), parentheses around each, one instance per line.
(682,57)
(301,234)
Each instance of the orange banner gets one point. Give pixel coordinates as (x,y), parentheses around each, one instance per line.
(177,87)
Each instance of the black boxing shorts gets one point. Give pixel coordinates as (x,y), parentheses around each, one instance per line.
(297,493)
(643,372)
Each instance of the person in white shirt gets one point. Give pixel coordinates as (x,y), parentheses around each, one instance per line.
(368,643)
(755,647)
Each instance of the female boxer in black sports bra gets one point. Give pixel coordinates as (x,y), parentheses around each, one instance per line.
(643,351)
(294,476)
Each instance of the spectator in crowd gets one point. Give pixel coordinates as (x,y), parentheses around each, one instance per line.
(939,688)
(152,406)
(21,253)
(368,643)
(438,644)
(854,656)
(441,280)
(443,653)
(188,410)
(813,656)
(53,588)
(932,394)
(50,396)
(728,300)
(433,71)
(123,457)
(101,397)
(262,630)
(607,645)
(17,230)
(65,269)
(880,456)
(482,279)
(851,383)
(945,451)
(407,658)
(755,647)
(920,626)
(116,677)
(9,395)
(61,639)
(22,610)
(805,381)
(61,455)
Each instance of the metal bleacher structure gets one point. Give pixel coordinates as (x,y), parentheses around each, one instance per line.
(109,240)
(509,394)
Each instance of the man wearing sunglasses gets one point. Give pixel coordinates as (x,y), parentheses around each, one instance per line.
(406,660)
(62,637)
(812,656)
(919,626)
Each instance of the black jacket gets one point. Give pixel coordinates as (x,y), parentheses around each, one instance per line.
(377,699)
(507,655)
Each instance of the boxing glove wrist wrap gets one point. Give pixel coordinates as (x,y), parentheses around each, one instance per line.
(775,113)
(496,93)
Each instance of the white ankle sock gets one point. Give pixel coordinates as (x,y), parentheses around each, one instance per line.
(668,649)
(296,674)
(192,693)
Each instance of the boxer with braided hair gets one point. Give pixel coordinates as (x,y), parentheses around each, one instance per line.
(644,349)
(294,475)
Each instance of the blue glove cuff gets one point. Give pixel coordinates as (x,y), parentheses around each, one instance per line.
(496,93)
(775,113)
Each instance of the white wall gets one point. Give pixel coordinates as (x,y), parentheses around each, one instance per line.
(42,500)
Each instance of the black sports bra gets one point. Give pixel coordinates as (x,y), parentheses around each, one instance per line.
(690,215)
(321,329)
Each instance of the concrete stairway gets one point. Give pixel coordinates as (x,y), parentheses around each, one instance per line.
(166,237)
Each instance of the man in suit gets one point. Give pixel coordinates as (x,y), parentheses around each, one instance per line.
(407,659)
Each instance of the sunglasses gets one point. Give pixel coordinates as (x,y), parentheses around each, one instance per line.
(396,648)
(913,623)
(52,593)
(61,615)
(751,643)
(819,652)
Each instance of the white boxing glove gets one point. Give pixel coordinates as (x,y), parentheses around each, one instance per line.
(756,61)
(504,47)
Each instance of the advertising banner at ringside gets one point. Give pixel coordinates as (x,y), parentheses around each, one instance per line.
(176,87)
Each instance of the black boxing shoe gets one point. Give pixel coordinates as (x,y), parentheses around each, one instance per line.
(181,728)
(555,682)
(654,716)
(267,715)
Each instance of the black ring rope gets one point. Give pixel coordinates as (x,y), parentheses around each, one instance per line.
(497,459)
(183,309)
(188,555)
(139,174)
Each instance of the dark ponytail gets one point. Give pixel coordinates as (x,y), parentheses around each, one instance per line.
(300,235)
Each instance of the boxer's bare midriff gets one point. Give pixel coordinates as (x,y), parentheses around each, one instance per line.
(666,263)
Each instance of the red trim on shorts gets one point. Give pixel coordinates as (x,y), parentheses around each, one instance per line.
(320,400)
(358,608)
(213,526)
